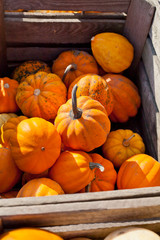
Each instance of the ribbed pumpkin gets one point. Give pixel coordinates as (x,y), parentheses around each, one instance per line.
(82,123)
(9,173)
(27,68)
(139,171)
(94,86)
(76,62)
(122,144)
(125,96)
(9,127)
(35,145)
(29,233)
(40,187)
(73,170)
(41,95)
(112,51)
(8,90)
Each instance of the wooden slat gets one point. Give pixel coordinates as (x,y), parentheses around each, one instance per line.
(58,31)
(81,212)
(149,106)
(84,5)
(85,197)
(3,57)
(137,26)
(158,135)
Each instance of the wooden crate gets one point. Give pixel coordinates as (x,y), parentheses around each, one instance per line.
(41,36)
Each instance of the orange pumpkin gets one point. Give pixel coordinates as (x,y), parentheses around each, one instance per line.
(26,177)
(40,187)
(121,145)
(139,171)
(8,90)
(9,173)
(27,68)
(8,127)
(103,181)
(29,233)
(73,170)
(35,145)
(80,238)
(4,117)
(41,95)
(125,96)
(74,63)
(112,51)
(82,123)
(94,86)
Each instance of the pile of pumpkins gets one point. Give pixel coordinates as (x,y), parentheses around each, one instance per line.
(55,133)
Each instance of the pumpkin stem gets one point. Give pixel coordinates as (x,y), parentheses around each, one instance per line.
(93,165)
(126,141)
(87,188)
(77,112)
(70,67)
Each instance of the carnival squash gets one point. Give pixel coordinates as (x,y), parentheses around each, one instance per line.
(122,144)
(41,95)
(125,96)
(71,64)
(82,123)
(139,171)
(94,86)
(112,51)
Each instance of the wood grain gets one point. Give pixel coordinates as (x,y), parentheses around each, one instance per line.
(137,26)
(3,55)
(83,5)
(58,31)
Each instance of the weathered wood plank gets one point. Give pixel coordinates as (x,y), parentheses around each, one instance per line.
(137,26)
(3,57)
(158,135)
(83,197)
(84,5)
(58,31)
(81,212)
(149,106)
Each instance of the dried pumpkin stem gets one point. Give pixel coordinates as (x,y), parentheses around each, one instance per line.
(126,142)
(93,165)
(70,67)
(87,188)
(77,113)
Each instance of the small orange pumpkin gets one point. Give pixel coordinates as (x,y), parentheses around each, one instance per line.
(8,90)
(27,68)
(41,95)
(71,64)
(125,96)
(122,144)
(82,123)
(94,86)
(112,51)
(139,171)
(9,173)
(40,187)
(73,170)
(35,145)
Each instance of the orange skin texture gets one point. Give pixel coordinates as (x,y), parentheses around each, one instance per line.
(103,181)
(27,68)
(94,86)
(41,95)
(9,127)
(125,96)
(4,117)
(35,145)
(29,233)
(84,61)
(9,173)
(40,187)
(139,171)
(72,171)
(10,194)
(112,51)
(89,131)
(8,90)
(114,149)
